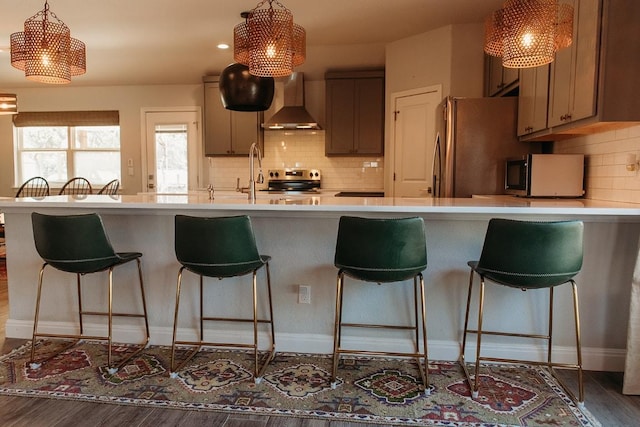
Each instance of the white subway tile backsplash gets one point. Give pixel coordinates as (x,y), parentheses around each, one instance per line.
(606,158)
(302,149)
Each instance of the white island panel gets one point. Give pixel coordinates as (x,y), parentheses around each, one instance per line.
(299,233)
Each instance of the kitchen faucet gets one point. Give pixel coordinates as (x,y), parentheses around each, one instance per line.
(254,151)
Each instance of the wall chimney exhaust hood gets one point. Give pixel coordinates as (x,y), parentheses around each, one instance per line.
(293,115)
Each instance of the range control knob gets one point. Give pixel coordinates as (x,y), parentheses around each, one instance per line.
(277,174)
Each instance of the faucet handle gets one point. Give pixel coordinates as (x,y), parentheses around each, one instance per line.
(260,177)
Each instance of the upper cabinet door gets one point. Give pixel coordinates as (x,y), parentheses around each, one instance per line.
(499,80)
(370,119)
(355,113)
(533,99)
(217,123)
(574,70)
(226,132)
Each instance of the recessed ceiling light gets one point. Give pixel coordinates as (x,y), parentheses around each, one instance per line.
(223,46)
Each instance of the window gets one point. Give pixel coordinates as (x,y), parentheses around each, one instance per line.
(60,146)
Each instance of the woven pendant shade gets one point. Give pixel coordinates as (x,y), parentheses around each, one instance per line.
(493,33)
(270,42)
(529,38)
(8,103)
(299,45)
(45,50)
(528,33)
(241,44)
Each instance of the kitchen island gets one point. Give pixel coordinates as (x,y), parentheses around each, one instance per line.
(299,233)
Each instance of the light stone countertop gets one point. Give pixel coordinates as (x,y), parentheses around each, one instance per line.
(327,203)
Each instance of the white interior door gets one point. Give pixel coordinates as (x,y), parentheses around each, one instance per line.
(414,140)
(173,151)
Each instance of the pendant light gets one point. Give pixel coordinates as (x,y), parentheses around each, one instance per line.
(528,33)
(242,91)
(45,50)
(269,42)
(8,103)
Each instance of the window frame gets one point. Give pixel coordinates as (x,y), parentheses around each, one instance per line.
(70,120)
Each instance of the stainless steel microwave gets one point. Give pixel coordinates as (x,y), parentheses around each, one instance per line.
(545,175)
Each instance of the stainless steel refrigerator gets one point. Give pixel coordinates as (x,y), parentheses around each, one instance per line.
(475,136)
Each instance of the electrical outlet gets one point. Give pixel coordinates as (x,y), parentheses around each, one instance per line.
(304,294)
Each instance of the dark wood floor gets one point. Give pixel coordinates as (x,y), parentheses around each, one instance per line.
(603,398)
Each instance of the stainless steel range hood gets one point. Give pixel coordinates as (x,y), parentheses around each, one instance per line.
(293,115)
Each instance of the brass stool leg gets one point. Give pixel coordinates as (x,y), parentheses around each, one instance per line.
(172,369)
(578,343)
(198,345)
(465,332)
(337,330)
(33,364)
(476,381)
(273,332)
(80,311)
(110,368)
(425,376)
(144,304)
(255,327)
(272,350)
(110,322)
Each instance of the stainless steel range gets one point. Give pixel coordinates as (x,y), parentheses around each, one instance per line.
(293,180)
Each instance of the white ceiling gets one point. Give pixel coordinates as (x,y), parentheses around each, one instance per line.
(132,42)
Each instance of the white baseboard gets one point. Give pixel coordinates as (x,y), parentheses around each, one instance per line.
(594,358)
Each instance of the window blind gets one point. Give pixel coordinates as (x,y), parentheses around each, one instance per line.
(67,118)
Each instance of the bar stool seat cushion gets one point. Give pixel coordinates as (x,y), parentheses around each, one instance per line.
(382,250)
(234,256)
(551,257)
(62,242)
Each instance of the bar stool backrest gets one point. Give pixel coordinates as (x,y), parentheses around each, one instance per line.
(34,187)
(216,247)
(531,254)
(73,243)
(76,186)
(381,250)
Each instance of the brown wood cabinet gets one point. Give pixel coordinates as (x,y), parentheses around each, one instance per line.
(226,132)
(355,113)
(593,84)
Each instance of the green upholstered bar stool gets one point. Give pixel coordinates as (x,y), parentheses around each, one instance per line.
(221,247)
(527,255)
(382,251)
(78,244)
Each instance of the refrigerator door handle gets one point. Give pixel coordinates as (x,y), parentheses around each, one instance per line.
(437,162)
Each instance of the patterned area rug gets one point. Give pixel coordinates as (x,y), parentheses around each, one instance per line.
(371,390)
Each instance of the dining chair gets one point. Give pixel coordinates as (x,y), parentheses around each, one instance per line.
(34,187)
(111,188)
(530,256)
(221,247)
(383,251)
(76,186)
(78,244)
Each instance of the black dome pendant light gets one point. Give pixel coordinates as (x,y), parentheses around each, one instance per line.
(242,91)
